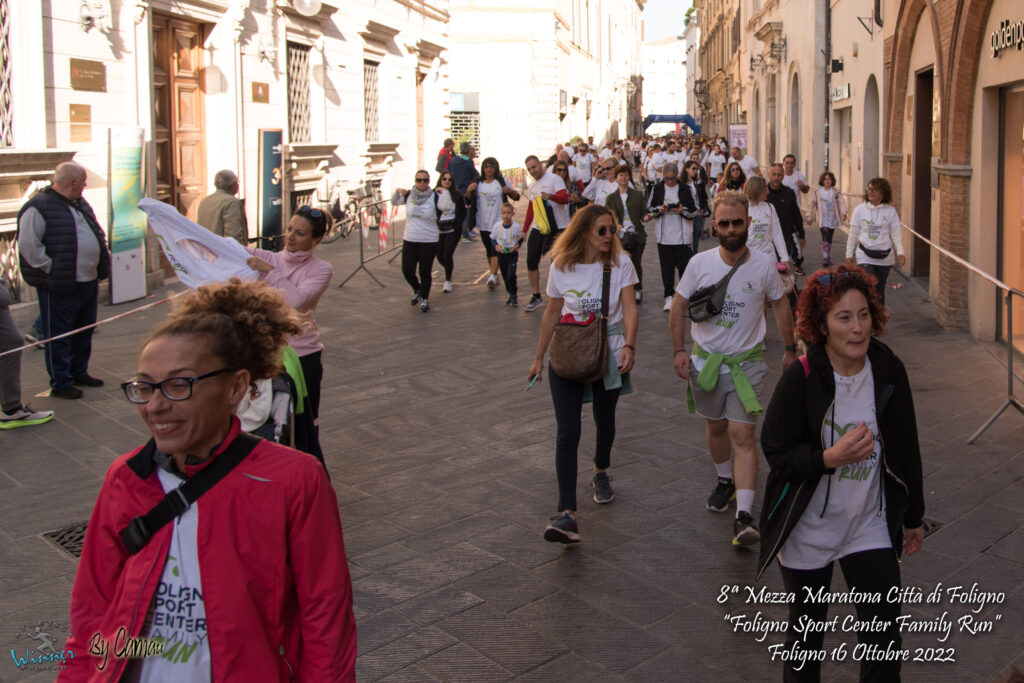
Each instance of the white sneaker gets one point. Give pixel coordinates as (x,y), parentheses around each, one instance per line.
(639,296)
(447,287)
(492,282)
(23,417)
(668,304)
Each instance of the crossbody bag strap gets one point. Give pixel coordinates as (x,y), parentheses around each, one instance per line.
(141,529)
(605,285)
(724,282)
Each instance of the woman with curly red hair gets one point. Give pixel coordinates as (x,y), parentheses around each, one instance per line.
(845,484)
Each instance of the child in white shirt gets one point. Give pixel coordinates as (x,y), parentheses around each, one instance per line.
(507,235)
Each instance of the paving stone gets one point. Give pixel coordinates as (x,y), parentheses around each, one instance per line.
(570,668)
(373,631)
(503,638)
(400,653)
(462,664)
(438,604)
(506,587)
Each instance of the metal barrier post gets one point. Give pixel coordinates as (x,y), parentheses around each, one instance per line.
(362,261)
(1011,399)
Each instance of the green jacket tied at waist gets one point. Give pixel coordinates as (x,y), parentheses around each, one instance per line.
(708,378)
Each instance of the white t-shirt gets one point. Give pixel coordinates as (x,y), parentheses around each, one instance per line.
(748,164)
(488,203)
(178,615)
(829,210)
(580,292)
(505,238)
(740,326)
(716,161)
(765,232)
(446,206)
(627,224)
(420,219)
(670,227)
(650,171)
(605,153)
(854,497)
(551,184)
(574,174)
(584,163)
(790,181)
(876,227)
(599,190)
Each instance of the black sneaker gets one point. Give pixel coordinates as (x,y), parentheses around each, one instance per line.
(424,306)
(602,488)
(515,301)
(744,531)
(719,499)
(562,529)
(66,392)
(535,303)
(88,380)
(415,299)
(508,301)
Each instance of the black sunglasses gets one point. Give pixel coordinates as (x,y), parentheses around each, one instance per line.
(446,178)
(734,222)
(309,211)
(423,180)
(603,230)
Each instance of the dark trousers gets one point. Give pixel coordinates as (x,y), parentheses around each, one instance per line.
(508,264)
(870,571)
(447,241)
(68,358)
(568,399)
(418,254)
(882,274)
(698,228)
(636,255)
(673,258)
(313,370)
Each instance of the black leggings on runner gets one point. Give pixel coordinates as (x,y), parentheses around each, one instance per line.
(447,241)
(672,258)
(870,571)
(313,370)
(881,273)
(568,399)
(421,254)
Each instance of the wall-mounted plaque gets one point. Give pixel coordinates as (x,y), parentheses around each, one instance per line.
(80,116)
(88,75)
(261,92)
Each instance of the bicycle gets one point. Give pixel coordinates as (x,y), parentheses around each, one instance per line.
(347,216)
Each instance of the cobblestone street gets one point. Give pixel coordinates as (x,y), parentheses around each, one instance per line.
(443,469)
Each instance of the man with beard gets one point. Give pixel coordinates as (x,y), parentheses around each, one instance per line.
(788,207)
(553,191)
(726,369)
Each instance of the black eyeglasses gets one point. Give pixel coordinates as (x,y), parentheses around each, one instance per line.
(826,278)
(446,179)
(603,230)
(173,388)
(423,180)
(734,222)
(309,211)
(561,170)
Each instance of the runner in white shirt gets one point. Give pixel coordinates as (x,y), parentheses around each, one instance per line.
(876,226)
(599,188)
(726,395)
(584,162)
(765,233)
(547,185)
(793,178)
(746,162)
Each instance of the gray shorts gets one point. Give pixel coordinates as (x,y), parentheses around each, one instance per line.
(723,402)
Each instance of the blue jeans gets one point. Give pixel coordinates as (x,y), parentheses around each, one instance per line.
(68,358)
(698,228)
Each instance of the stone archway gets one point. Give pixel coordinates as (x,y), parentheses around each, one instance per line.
(872,118)
(794,116)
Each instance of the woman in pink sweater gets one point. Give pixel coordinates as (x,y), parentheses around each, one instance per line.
(303,279)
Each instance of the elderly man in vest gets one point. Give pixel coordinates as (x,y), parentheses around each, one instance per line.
(221,212)
(64,256)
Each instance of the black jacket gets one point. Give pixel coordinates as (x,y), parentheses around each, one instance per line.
(692,206)
(786,205)
(791,440)
(472,197)
(61,241)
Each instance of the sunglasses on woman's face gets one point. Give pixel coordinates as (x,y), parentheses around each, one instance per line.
(446,179)
(561,170)
(734,222)
(602,231)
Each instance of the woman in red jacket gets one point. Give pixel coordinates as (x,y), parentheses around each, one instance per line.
(250,582)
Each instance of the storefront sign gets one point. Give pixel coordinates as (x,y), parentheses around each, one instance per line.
(1008,36)
(841,92)
(127,222)
(269,207)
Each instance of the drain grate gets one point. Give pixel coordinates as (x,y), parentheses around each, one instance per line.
(68,539)
(930,526)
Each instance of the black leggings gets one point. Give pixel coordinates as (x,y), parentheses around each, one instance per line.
(881,273)
(447,241)
(672,257)
(422,254)
(313,370)
(870,571)
(568,399)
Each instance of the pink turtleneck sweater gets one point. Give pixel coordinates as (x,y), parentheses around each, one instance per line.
(302,279)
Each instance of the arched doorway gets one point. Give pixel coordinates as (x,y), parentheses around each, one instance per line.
(794,117)
(872,129)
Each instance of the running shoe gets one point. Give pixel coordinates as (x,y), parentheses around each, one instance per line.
(508,301)
(719,499)
(535,303)
(424,306)
(415,299)
(668,304)
(744,531)
(514,301)
(447,287)
(639,296)
(562,529)
(799,271)
(70,392)
(88,380)
(602,488)
(492,282)
(23,416)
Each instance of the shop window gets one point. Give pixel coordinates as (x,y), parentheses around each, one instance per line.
(371,101)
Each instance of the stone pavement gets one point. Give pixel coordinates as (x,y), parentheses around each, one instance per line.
(445,480)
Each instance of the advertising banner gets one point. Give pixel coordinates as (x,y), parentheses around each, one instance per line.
(269,209)
(738,136)
(127,225)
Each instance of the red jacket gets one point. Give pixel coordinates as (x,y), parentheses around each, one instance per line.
(275,580)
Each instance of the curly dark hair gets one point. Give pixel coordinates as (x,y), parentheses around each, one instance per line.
(247,324)
(824,289)
(883,186)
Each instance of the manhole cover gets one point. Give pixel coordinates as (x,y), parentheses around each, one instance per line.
(930,526)
(69,539)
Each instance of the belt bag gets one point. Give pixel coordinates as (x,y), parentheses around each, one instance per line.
(579,353)
(707,302)
(629,240)
(446,226)
(875,253)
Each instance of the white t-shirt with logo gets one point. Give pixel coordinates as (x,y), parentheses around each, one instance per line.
(627,223)
(829,210)
(847,514)
(876,227)
(765,231)
(488,203)
(583,163)
(551,184)
(670,227)
(178,615)
(741,325)
(599,190)
(580,291)
(506,237)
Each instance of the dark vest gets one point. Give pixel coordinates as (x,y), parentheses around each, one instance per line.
(61,242)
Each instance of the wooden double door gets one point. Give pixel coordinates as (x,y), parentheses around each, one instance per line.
(178,60)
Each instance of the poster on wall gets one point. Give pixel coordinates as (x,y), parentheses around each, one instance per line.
(268,208)
(738,136)
(127,224)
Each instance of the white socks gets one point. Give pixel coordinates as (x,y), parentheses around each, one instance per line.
(724,469)
(744,500)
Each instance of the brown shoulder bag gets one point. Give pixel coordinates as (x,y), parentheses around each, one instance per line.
(579,352)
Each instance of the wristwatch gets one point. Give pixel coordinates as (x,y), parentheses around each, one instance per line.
(790,347)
